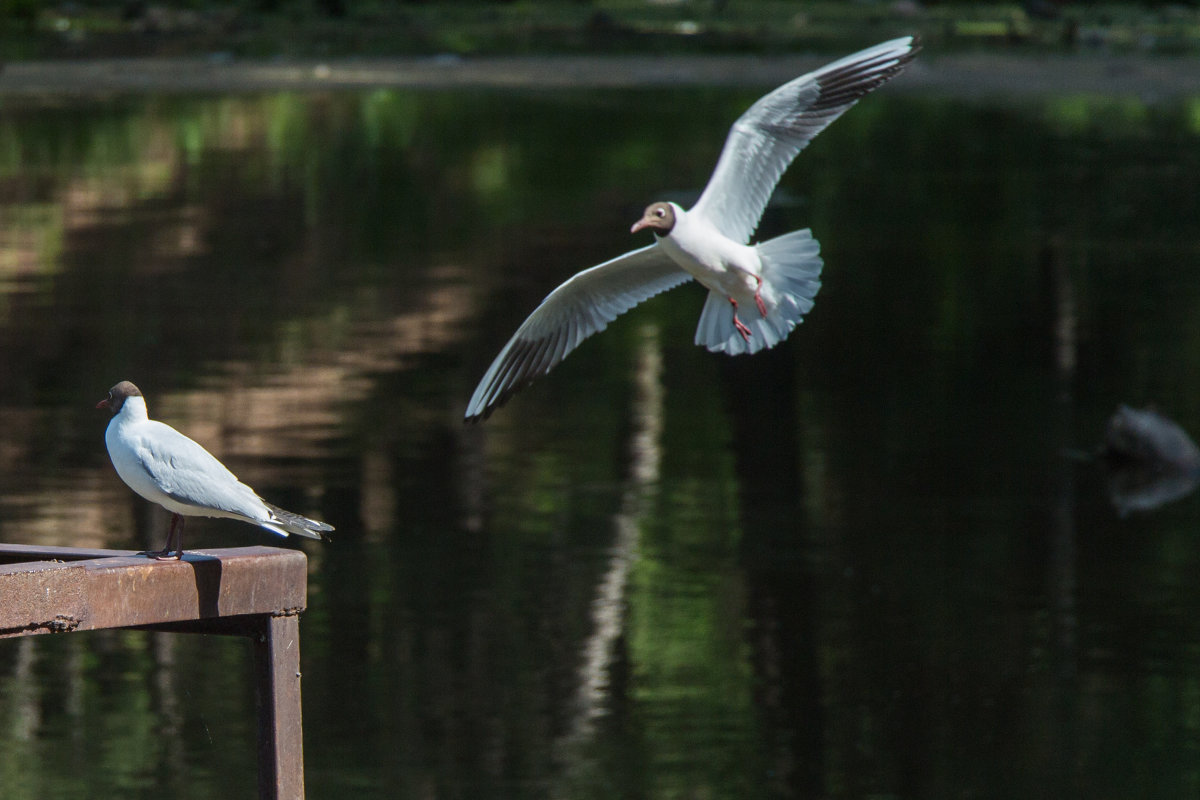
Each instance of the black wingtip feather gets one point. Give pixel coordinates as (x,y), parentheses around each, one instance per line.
(300,525)
(525,361)
(847,85)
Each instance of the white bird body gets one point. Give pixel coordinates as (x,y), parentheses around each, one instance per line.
(758,292)
(162,465)
(720,264)
(170,469)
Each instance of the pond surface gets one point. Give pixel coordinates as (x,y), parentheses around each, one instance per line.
(864,563)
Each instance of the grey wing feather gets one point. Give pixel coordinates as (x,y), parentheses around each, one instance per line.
(582,306)
(188,473)
(290,522)
(764,140)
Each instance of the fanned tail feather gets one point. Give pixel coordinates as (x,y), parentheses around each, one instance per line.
(285,522)
(791,278)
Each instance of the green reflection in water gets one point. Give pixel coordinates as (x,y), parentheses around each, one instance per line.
(692,680)
(125,714)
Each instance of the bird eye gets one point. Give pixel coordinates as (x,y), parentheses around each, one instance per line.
(658,212)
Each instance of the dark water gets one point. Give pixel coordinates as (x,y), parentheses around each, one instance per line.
(857,565)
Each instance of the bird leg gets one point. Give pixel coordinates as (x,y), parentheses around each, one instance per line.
(758,301)
(176,532)
(737,323)
(175,538)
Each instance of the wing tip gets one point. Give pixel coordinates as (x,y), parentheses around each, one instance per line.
(479,411)
(475,415)
(848,80)
(286,523)
(521,362)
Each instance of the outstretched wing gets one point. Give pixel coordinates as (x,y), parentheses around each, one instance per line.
(764,140)
(574,311)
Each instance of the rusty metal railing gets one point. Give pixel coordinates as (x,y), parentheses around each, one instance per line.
(256,592)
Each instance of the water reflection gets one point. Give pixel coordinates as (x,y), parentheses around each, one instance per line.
(852,565)
(1149,460)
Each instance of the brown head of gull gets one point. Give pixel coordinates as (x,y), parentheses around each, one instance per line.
(658,217)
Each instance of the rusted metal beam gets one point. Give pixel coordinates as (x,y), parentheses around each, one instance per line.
(130,590)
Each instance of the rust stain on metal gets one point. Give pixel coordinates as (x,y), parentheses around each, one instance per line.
(62,623)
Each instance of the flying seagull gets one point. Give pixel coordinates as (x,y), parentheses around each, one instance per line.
(757,293)
(166,467)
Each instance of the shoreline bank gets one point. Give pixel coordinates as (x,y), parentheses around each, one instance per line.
(962,75)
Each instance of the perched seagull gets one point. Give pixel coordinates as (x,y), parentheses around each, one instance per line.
(757,293)
(166,467)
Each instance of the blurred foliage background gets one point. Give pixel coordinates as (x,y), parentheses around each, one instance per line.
(326,28)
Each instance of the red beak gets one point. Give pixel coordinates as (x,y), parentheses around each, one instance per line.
(103,403)
(637,226)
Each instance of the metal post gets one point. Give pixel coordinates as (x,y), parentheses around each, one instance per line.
(280,730)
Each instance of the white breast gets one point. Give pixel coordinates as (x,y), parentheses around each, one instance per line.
(716,261)
(150,456)
(122,451)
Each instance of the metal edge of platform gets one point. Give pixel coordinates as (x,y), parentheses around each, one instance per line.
(58,590)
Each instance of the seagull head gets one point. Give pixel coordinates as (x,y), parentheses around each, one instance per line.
(658,217)
(117,396)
